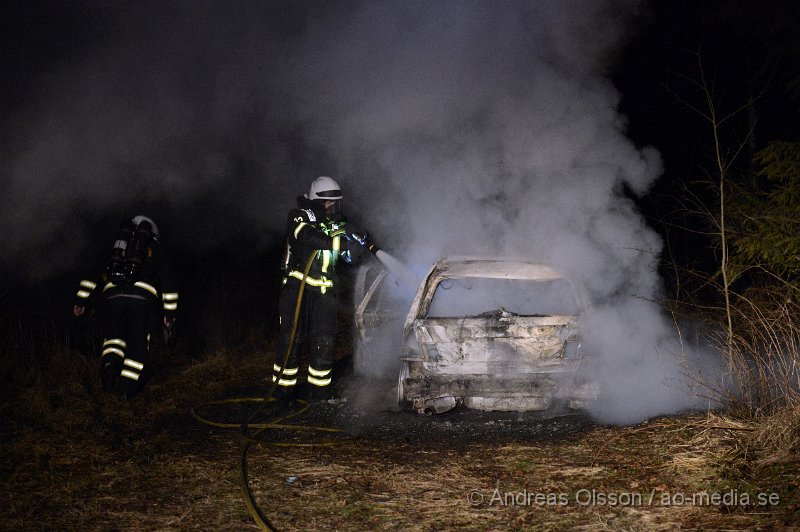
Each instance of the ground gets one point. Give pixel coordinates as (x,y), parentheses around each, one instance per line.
(83,460)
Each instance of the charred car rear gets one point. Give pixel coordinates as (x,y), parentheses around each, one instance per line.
(489,334)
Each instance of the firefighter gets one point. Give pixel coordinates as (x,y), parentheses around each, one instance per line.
(316,227)
(134,293)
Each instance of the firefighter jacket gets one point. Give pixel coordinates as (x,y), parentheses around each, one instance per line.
(328,242)
(154,281)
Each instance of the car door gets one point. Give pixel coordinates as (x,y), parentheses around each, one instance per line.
(381,304)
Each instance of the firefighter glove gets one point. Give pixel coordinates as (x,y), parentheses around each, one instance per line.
(355,248)
(364,240)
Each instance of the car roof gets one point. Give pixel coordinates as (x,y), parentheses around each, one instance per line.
(494,267)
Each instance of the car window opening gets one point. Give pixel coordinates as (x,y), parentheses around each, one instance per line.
(488,297)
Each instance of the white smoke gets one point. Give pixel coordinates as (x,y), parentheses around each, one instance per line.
(475,130)
(455,127)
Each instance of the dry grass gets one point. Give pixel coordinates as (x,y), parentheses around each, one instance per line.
(75,459)
(753,442)
(426,488)
(717,442)
(757,456)
(763,360)
(778,436)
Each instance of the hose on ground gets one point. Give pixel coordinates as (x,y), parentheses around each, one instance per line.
(250,430)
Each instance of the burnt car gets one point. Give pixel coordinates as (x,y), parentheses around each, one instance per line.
(485,333)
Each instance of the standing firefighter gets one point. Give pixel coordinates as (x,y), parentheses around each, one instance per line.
(317,237)
(135,292)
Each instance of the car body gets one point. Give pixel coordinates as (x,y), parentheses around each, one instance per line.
(488,334)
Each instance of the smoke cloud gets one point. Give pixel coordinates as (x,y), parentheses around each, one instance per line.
(454,127)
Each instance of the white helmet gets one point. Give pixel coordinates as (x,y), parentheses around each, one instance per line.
(325,188)
(137,220)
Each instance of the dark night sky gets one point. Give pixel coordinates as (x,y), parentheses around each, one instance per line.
(747,48)
(48,45)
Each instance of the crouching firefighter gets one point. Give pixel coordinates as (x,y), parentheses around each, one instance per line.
(132,296)
(318,236)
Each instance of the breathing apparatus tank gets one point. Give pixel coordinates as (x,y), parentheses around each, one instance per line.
(134,245)
(116,265)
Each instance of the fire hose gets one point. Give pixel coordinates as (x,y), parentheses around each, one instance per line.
(273,424)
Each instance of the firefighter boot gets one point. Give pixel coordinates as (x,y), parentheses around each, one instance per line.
(284,382)
(285,369)
(109,375)
(131,376)
(127,389)
(284,393)
(318,394)
(320,369)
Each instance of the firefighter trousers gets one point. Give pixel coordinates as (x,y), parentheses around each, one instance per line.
(128,316)
(316,326)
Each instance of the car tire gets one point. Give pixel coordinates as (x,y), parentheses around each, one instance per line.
(404,372)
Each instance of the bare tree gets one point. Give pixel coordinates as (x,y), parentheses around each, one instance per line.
(724,156)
